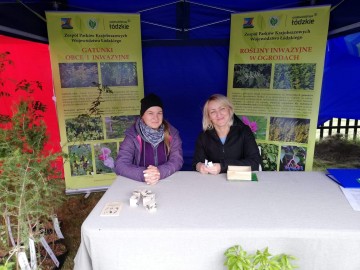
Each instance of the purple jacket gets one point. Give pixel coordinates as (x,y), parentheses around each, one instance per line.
(128,158)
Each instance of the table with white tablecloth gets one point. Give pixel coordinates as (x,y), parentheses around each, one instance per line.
(198,217)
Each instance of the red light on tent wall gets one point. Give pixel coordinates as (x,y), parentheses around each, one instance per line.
(31,62)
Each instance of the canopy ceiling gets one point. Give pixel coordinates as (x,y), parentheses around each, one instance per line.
(165,19)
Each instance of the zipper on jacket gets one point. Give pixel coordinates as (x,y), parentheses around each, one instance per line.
(155,156)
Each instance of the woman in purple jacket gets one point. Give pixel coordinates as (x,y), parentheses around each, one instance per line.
(152,148)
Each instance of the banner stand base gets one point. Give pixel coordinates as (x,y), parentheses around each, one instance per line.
(85,190)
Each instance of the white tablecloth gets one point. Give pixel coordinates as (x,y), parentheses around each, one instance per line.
(304,214)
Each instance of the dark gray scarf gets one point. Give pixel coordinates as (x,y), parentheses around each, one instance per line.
(152,136)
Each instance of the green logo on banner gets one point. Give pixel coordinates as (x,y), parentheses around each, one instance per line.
(274,21)
(92,23)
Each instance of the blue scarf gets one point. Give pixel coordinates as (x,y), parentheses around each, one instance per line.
(152,136)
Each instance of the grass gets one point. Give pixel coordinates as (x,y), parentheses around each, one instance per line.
(333,151)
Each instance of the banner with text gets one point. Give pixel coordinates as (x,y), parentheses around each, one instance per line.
(276,63)
(98,78)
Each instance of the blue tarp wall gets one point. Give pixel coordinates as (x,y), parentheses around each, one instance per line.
(186,47)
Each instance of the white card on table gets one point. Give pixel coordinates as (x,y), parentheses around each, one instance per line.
(111,209)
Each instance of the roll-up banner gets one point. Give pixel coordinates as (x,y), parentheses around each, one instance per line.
(98,78)
(276,62)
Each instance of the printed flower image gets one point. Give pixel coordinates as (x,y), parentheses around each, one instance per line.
(253,126)
(105,155)
(257,125)
(80,160)
(292,158)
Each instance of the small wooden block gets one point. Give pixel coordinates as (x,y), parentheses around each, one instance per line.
(239,173)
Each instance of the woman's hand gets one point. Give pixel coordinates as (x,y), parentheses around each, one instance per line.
(202,168)
(214,169)
(151,175)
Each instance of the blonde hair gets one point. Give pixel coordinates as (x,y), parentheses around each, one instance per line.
(167,136)
(206,122)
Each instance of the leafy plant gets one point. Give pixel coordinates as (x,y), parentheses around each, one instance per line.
(7,266)
(238,259)
(28,178)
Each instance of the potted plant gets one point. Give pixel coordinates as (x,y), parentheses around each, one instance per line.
(238,259)
(30,184)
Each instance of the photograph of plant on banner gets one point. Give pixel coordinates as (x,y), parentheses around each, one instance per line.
(289,129)
(117,125)
(295,76)
(269,156)
(252,76)
(80,157)
(105,154)
(292,158)
(257,125)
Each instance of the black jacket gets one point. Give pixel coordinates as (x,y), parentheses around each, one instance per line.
(240,148)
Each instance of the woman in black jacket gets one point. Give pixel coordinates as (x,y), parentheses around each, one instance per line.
(225,139)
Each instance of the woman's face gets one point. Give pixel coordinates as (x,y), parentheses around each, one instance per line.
(153,117)
(219,114)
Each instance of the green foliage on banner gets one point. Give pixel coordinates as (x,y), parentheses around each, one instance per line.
(295,76)
(289,129)
(88,126)
(269,154)
(252,76)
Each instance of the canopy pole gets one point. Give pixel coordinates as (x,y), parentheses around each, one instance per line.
(172,3)
(223,9)
(345,28)
(201,26)
(22,33)
(32,11)
(160,25)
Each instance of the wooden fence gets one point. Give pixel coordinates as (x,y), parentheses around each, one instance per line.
(350,128)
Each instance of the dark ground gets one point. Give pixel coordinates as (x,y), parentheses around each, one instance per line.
(336,152)
(330,152)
